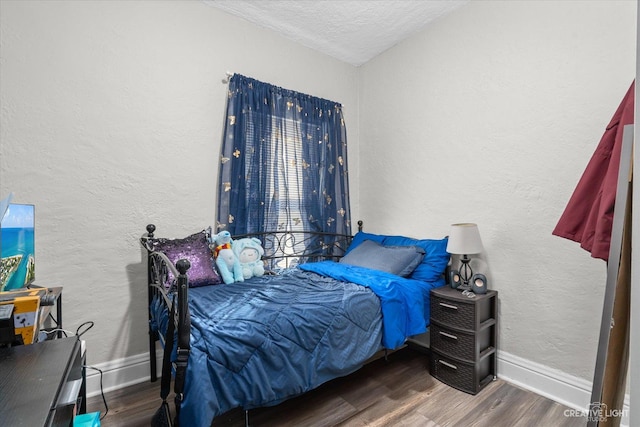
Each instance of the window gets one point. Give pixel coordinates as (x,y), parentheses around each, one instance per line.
(283,162)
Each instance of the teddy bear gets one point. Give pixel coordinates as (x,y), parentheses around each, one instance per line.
(226,260)
(249,250)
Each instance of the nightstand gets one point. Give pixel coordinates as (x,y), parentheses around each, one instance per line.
(463,335)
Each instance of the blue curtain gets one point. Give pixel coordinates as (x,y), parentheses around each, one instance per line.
(283,164)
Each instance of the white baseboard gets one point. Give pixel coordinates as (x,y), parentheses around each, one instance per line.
(554,384)
(120,373)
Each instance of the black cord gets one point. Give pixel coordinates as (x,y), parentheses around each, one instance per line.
(85,327)
(104,399)
(82,329)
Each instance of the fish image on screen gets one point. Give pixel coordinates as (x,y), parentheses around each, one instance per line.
(17,247)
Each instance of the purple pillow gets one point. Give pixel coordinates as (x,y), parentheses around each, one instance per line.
(194,248)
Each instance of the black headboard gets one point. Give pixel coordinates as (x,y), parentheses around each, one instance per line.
(284,249)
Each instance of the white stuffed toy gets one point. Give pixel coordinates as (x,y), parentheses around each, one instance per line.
(249,251)
(226,260)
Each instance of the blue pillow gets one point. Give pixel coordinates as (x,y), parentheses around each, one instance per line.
(399,260)
(435,258)
(360,237)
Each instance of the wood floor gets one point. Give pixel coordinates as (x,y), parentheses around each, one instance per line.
(398,392)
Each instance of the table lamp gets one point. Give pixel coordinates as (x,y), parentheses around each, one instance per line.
(464,239)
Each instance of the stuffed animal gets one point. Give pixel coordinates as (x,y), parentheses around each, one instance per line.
(249,251)
(226,260)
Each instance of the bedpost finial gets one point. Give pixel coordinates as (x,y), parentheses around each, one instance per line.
(183,265)
(360,224)
(150,229)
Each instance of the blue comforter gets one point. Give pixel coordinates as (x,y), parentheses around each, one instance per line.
(265,340)
(405,302)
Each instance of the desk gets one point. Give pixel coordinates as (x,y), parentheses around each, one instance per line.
(41,383)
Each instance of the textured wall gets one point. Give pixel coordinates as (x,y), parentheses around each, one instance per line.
(111,118)
(491,116)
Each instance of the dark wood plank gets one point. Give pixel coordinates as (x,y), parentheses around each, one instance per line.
(399,392)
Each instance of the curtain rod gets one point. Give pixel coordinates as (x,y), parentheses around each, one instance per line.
(227,76)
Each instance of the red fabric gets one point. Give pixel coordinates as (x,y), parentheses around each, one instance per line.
(588,217)
(218,248)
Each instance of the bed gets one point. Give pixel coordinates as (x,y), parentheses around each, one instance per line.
(325,306)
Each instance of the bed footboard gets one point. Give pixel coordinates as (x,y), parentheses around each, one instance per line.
(184,332)
(160,271)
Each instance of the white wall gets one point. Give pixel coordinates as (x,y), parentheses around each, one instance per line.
(490,116)
(111,115)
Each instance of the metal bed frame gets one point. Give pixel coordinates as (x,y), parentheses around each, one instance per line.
(283,249)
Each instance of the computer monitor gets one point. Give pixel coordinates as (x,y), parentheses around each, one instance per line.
(17,247)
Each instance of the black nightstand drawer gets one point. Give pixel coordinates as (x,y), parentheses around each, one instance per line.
(465,376)
(463,345)
(450,307)
(453,313)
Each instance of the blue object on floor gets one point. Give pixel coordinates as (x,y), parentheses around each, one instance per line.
(92,419)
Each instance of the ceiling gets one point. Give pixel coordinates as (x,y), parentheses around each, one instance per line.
(353,31)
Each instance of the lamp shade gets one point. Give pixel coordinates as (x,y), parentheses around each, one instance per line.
(464,239)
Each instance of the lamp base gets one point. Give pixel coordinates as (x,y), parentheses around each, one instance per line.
(466,272)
